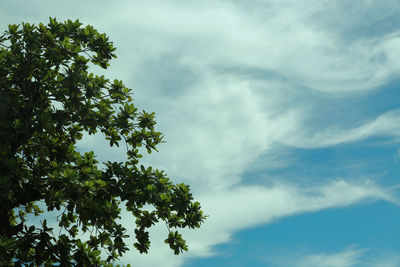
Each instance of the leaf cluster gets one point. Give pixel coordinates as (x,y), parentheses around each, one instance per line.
(48,101)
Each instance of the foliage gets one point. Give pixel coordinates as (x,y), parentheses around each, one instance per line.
(48,99)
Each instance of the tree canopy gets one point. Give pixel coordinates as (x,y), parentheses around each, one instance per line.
(48,100)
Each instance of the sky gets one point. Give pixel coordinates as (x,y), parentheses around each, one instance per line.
(283,117)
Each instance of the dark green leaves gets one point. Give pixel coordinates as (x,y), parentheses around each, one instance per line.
(48,101)
(176,242)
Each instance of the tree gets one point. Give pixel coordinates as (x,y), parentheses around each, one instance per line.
(48,99)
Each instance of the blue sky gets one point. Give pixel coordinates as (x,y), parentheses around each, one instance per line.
(283,116)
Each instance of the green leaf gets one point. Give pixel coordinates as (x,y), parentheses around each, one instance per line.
(52,100)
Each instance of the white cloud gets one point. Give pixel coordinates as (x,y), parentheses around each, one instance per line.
(348,258)
(282,37)
(306,42)
(387,125)
(242,207)
(214,131)
(383,259)
(247,206)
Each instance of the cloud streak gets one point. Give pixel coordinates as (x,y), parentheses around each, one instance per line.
(385,125)
(347,258)
(245,207)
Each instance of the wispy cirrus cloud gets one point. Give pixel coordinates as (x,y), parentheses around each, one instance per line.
(385,125)
(348,258)
(352,256)
(296,40)
(245,207)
